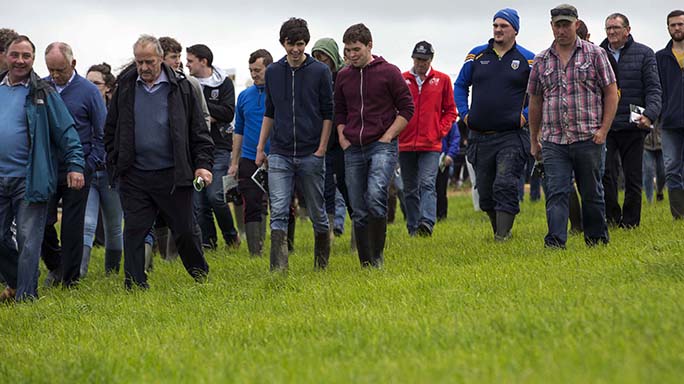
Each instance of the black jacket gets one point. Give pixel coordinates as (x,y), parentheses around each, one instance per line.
(672,80)
(221,104)
(192,145)
(638,82)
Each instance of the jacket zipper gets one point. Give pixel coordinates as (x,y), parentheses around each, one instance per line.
(294,120)
(362,124)
(420,92)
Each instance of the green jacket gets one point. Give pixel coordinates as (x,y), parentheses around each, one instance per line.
(52,138)
(329,47)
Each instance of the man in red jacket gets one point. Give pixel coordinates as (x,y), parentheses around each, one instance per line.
(372,105)
(420,144)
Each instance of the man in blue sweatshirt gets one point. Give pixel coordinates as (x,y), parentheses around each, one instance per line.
(249,114)
(84,102)
(28,168)
(497,72)
(298,120)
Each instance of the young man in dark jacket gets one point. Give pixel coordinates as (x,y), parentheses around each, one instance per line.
(373,105)
(157,143)
(671,70)
(219,93)
(298,120)
(639,85)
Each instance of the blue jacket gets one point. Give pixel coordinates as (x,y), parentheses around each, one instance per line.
(451,142)
(298,99)
(499,88)
(249,113)
(672,81)
(638,82)
(87,108)
(52,133)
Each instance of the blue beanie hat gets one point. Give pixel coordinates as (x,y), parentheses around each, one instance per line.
(510,15)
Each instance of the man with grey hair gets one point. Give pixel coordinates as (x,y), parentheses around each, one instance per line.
(157,144)
(639,85)
(6,35)
(87,108)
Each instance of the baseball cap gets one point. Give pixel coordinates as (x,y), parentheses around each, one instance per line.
(423,50)
(564,12)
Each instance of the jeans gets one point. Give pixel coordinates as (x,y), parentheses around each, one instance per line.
(673,157)
(535,182)
(340,212)
(309,174)
(252,195)
(586,159)
(334,179)
(103,198)
(211,198)
(654,168)
(419,174)
(499,160)
(19,259)
(369,170)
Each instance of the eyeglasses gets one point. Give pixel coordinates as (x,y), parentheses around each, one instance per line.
(563,12)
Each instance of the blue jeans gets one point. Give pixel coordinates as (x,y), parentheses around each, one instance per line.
(586,159)
(211,198)
(368,171)
(653,169)
(673,157)
(19,260)
(419,174)
(340,212)
(103,198)
(309,173)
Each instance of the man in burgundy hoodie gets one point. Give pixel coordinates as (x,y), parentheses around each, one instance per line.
(372,106)
(420,144)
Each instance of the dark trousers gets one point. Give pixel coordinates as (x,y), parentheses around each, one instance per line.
(441,187)
(334,180)
(143,195)
(629,147)
(68,256)
(252,195)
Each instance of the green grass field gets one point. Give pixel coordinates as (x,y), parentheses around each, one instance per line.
(456,307)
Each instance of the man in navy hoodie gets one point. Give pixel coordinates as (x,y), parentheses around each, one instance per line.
(298,120)
(373,105)
(671,70)
(219,93)
(84,102)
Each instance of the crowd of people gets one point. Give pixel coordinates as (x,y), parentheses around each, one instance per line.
(156,152)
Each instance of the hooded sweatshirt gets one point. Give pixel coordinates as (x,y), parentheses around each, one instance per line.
(298,100)
(219,93)
(329,47)
(368,100)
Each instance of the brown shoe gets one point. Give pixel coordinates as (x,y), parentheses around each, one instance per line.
(7,295)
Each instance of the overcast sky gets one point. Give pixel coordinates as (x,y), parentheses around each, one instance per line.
(105,31)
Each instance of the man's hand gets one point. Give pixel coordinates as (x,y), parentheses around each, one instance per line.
(535,150)
(385,139)
(233,170)
(344,143)
(75,180)
(320,152)
(260,157)
(204,174)
(448,160)
(644,122)
(600,136)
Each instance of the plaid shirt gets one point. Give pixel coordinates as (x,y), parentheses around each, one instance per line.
(573,98)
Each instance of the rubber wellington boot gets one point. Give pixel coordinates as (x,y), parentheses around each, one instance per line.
(677,203)
(279,254)
(492,219)
(377,233)
(321,250)
(504,223)
(360,236)
(253,234)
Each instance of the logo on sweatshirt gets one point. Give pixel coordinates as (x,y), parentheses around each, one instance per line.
(434,81)
(214,94)
(515,64)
